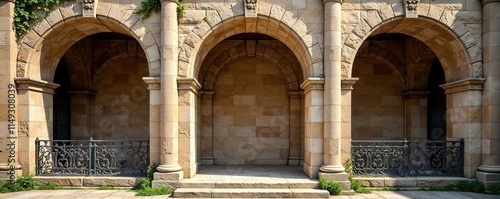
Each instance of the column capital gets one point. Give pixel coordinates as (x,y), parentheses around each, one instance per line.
(188,83)
(294,94)
(26,83)
(154,83)
(313,83)
(206,94)
(347,83)
(484,2)
(463,85)
(332,1)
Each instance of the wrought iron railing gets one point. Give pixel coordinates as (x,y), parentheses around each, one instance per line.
(92,157)
(404,158)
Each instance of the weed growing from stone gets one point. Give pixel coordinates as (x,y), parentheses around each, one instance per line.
(106,187)
(335,188)
(26,183)
(144,187)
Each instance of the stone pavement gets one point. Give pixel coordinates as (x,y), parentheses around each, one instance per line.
(125,194)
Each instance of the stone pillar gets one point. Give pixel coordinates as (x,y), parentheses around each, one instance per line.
(463,119)
(489,171)
(154,87)
(188,94)
(9,116)
(207,156)
(82,121)
(415,125)
(295,123)
(347,88)
(332,94)
(313,119)
(169,171)
(35,118)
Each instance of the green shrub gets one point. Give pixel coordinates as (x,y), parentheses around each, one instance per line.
(493,189)
(148,191)
(106,187)
(47,186)
(335,188)
(476,186)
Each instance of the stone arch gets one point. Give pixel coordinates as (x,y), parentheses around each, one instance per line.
(272,20)
(386,57)
(113,54)
(43,46)
(419,65)
(449,38)
(236,52)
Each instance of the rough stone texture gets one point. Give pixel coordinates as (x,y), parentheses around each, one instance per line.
(62,181)
(400,182)
(112,181)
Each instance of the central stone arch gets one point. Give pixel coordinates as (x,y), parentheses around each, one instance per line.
(272,20)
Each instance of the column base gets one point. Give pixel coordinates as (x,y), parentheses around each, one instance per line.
(168,168)
(488,178)
(342,178)
(332,168)
(171,179)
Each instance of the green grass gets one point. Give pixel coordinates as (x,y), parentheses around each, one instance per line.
(335,188)
(26,183)
(106,187)
(149,191)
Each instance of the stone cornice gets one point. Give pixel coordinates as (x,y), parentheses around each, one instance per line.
(313,83)
(333,1)
(484,2)
(347,83)
(416,94)
(154,83)
(293,94)
(207,94)
(25,83)
(188,83)
(463,85)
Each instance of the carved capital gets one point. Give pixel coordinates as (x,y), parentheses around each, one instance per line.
(154,83)
(251,7)
(188,84)
(347,83)
(411,7)
(464,85)
(24,83)
(313,84)
(89,8)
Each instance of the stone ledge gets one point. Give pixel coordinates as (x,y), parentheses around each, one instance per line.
(112,181)
(61,181)
(408,181)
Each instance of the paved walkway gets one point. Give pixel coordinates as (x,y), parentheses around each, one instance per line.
(125,194)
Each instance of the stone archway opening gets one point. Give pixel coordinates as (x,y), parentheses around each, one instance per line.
(250,104)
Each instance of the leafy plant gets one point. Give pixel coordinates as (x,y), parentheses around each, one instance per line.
(355,185)
(493,189)
(106,187)
(148,191)
(150,6)
(335,188)
(47,186)
(28,11)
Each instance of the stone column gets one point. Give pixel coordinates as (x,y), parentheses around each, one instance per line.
(295,123)
(169,160)
(154,87)
(169,171)
(207,156)
(35,118)
(347,88)
(489,170)
(332,96)
(415,125)
(463,119)
(8,95)
(188,94)
(313,119)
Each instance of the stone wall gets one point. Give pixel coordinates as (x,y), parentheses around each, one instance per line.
(377,104)
(250,114)
(121,106)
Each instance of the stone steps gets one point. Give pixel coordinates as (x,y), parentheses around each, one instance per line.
(249,193)
(299,184)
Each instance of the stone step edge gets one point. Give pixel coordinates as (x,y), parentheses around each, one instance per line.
(249,193)
(284,185)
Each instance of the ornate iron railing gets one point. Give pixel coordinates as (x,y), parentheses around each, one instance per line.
(404,158)
(92,157)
